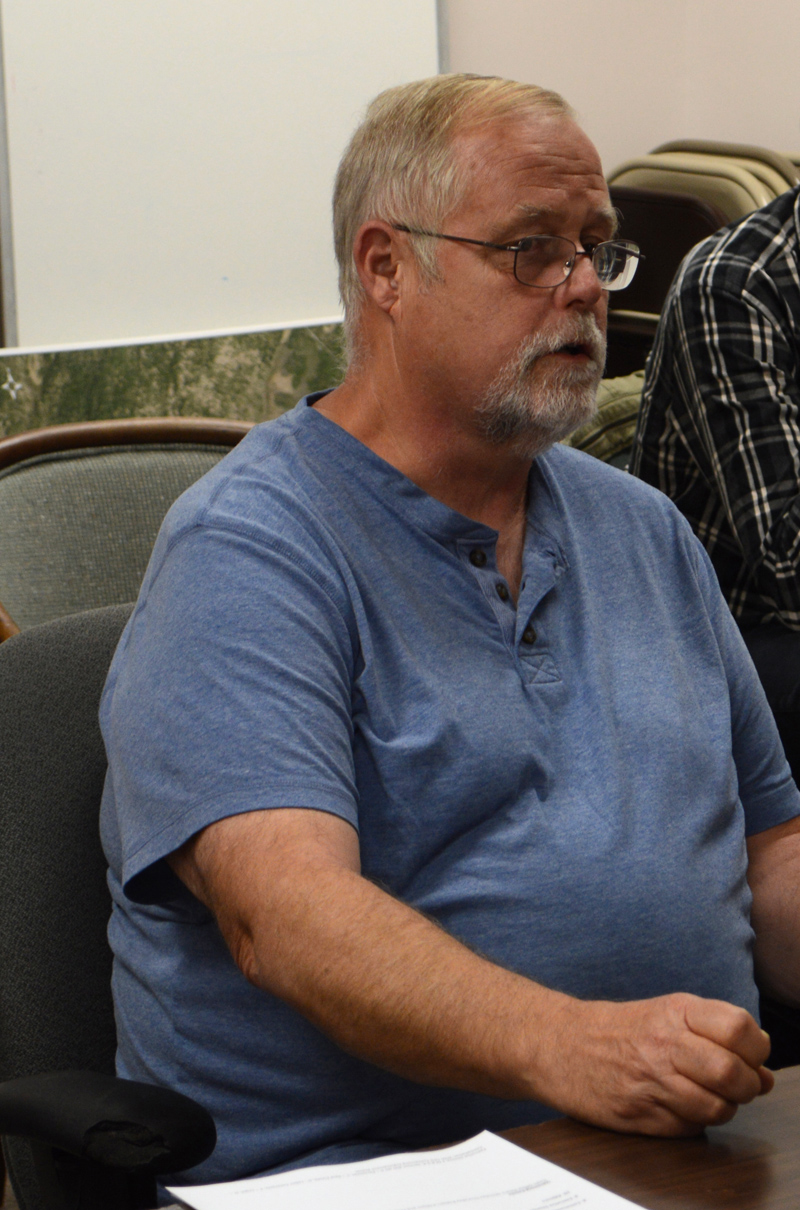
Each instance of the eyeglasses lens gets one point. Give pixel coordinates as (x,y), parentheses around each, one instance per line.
(550,258)
(547,262)
(615,264)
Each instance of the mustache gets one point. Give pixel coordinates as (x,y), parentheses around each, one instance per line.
(578,334)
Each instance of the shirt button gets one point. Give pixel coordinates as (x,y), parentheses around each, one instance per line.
(477,557)
(502,591)
(529,635)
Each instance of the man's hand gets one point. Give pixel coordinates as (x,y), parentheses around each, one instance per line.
(669,1066)
(390,986)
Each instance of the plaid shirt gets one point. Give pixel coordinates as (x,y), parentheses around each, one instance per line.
(719,427)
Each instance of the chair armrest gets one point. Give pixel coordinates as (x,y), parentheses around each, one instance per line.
(8,627)
(117,1123)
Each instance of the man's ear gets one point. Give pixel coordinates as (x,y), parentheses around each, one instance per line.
(382,261)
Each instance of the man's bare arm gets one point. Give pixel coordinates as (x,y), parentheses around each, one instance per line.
(388,985)
(774,877)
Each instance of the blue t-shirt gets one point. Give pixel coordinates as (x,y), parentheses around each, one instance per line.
(566,785)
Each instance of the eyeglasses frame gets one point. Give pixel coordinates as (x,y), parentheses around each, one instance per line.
(523,245)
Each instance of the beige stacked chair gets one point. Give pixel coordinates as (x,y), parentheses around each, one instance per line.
(724,184)
(735,178)
(775,169)
(665,225)
(684,189)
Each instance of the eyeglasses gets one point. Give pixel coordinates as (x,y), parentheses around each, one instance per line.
(546,261)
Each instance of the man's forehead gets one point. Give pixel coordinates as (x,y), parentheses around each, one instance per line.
(549,138)
(539,164)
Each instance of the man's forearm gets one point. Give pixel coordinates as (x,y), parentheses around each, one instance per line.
(384,982)
(391,987)
(774,876)
(395,989)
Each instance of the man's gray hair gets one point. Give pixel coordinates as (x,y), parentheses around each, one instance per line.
(401,165)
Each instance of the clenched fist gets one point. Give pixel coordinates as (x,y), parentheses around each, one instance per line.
(670,1065)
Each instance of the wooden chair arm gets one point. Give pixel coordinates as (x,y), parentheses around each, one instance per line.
(8,627)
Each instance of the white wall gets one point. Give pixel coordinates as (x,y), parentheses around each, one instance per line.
(640,72)
(171,161)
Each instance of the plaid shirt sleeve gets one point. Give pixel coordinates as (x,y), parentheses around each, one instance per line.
(719,430)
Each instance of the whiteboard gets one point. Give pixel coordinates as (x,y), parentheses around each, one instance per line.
(170,162)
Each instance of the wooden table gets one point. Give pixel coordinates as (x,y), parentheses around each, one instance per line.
(753,1163)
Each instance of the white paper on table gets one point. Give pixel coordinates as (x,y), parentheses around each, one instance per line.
(485,1173)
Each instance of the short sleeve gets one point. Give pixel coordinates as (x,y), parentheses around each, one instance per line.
(766,788)
(231,692)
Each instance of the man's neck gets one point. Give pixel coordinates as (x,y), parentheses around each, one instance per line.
(449,461)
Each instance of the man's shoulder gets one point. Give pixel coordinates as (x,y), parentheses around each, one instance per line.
(748,269)
(588,485)
(273,473)
(584,472)
(755,246)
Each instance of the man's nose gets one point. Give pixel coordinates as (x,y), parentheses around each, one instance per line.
(583,287)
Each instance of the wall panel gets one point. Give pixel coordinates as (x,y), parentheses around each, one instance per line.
(171,160)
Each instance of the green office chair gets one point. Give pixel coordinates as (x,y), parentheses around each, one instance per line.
(81,505)
(75,1136)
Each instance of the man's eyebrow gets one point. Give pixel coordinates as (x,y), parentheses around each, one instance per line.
(610,215)
(526,212)
(535,213)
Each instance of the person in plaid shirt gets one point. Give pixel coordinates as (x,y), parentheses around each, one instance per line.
(719,431)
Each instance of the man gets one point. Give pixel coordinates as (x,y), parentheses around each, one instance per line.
(422,809)
(719,431)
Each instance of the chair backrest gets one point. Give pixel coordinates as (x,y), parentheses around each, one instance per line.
(781,164)
(81,506)
(729,187)
(55,995)
(630,338)
(665,225)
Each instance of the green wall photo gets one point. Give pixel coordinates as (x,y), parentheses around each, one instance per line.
(253,376)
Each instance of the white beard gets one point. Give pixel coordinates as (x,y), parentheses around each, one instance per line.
(531,405)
